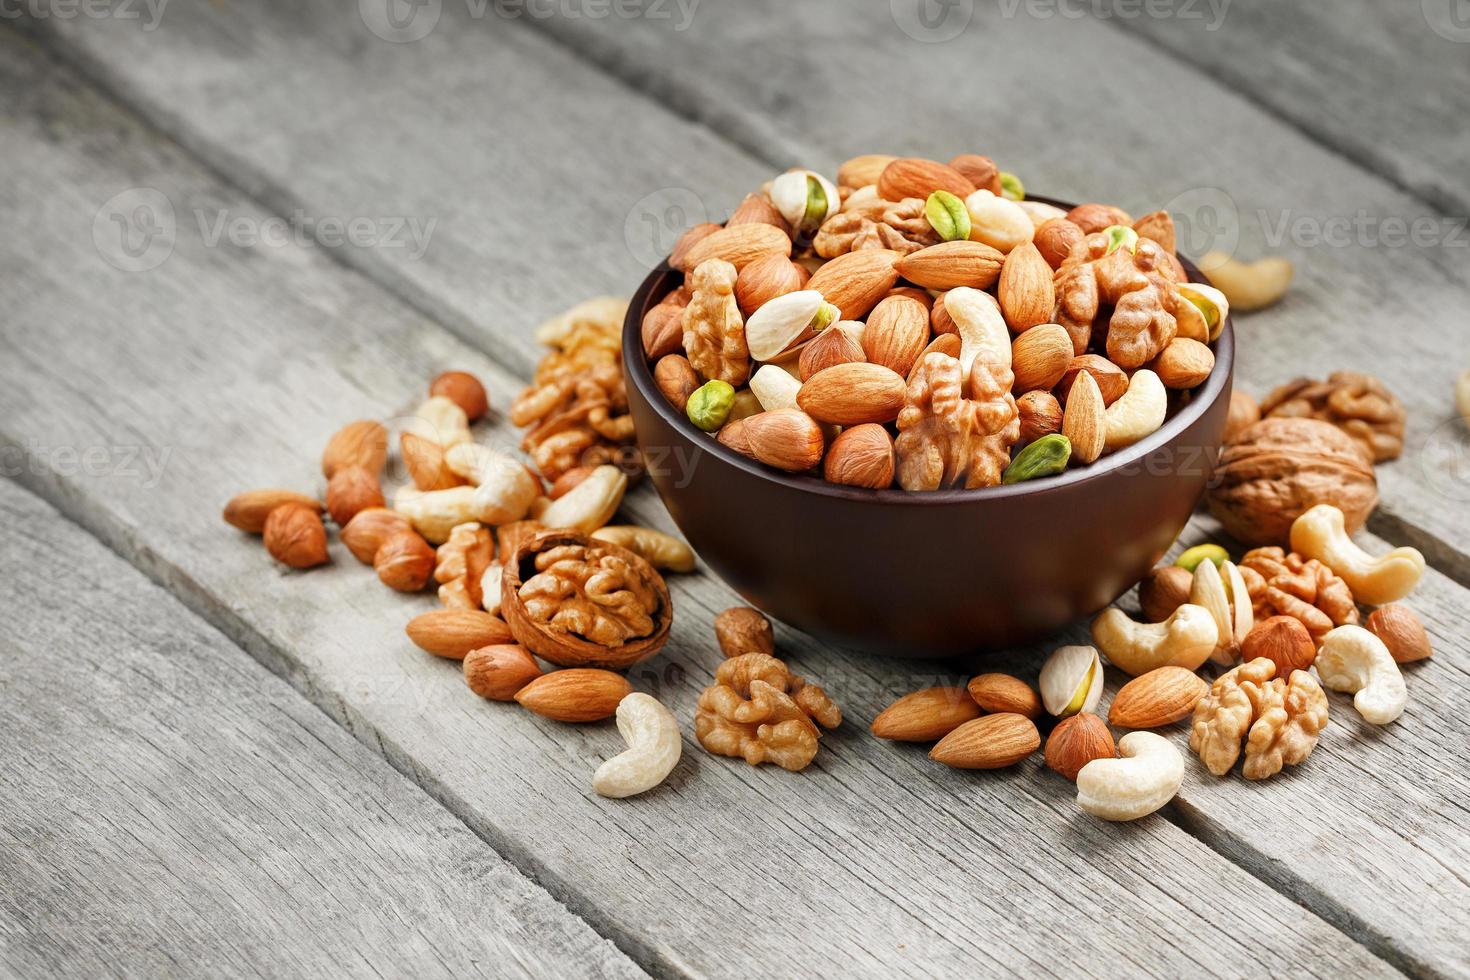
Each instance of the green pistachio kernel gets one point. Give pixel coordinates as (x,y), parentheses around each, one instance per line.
(1046,456)
(826,316)
(948,216)
(1011,187)
(1201,553)
(710,405)
(1121,235)
(816,205)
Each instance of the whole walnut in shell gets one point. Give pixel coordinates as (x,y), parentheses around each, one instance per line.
(1280,468)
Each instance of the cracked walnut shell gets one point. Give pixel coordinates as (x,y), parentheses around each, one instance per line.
(578,602)
(1358,404)
(1282,584)
(757,710)
(714,332)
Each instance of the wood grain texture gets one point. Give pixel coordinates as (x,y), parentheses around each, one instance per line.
(1383,84)
(242,361)
(171,809)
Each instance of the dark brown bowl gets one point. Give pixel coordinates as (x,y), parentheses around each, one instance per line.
(927,574)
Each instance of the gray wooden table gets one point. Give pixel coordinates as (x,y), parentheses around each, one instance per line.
(215,767)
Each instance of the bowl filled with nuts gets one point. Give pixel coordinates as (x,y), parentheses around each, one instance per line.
(917,412)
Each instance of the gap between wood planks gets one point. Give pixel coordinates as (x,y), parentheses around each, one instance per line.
(100,525)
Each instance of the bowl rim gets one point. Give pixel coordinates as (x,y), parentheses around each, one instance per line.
(640,373)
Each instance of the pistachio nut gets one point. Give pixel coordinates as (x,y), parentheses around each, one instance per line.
(805,199)
(948,216)
(781,323)
(1121,236)
(1046,456)
(1011,187)
(1211,305)
(1191,559)
(710,405)
(1071,681)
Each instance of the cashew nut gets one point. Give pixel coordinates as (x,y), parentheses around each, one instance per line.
(1222,592)
(441,421)
(1356,662)
(1186,640)
(653,750)
(660,550)
(775,387)
(490,588)
(1249,286)
(590,504)
(982,328)
(1144,777)
(1000,223)
(1139,413)
(436,513)
(1321,533)
(504,489)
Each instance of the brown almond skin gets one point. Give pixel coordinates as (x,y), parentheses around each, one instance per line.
(362,443)
(1026,293)
(946,343)
(861,456)
(680,256)
(1040,357)
(1157,698)
(248,510)
(366,532)
(1093,218)
(991,742)
(758,209)
(424,460)
(1184,364)
(577,694)
(351,490)
(831,348)
(1164,590)
(404,562)
(676,379)
(855,282)
(851,394)
(465,390)
(741,630)
(1112,381)
(916,177)
(949,265)
(1159,226)
(1282,640)
(663,330)
(788,439)
(1402,632)
(927,715)
(739,245)
(979,170)
(898,329)
(295,536)
(1002,693)
(940,319)
(499,672)
(453,633)
(1076,741)
(1084,422)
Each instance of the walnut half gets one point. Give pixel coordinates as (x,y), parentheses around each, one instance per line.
(1277,721)
(757,710)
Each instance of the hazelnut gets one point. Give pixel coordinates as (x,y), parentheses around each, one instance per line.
(366,532)
(1164,591)
(465,390)
(351,490)
(1282,640)
(742,629)
(676,379)
(1055,238)
(1076,741)
(499,672)
(1041,415)
(1111,380)
(362,443)
(295,536)
(405,561)
(1402,632)
(1093,218)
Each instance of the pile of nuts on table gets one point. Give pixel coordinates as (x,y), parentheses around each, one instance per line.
(924,324)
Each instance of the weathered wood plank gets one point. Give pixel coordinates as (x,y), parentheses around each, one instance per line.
(242,361)
(171,809)
(1384,84)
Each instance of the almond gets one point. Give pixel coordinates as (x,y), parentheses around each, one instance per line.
(991,742)
(1085,421)
(1040,413)
(1402,632)
(578,694)
(952,264)
(978,170)
(787,439)
(851,394)
(757,209)
(1158,226)
(295,535)
(861,456)
(927,715)
(499,672)
(453,633)
(832,347)
(424,460)
(739,246)
(1282,640)
(1157,698)
(248,510)
(404,562)
(1002,693)
(914,293)
(898,329)
(1040,356)
(1112,381)
(465,390)
(855,282)
(1076,741)
(1027,296)
(676,379)
(363,443)
(863,171)
(1093,218)
(1184,364)
(679,258)
(948,344)
(915,177)
(1055,239)
(766,278)
(350,490)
